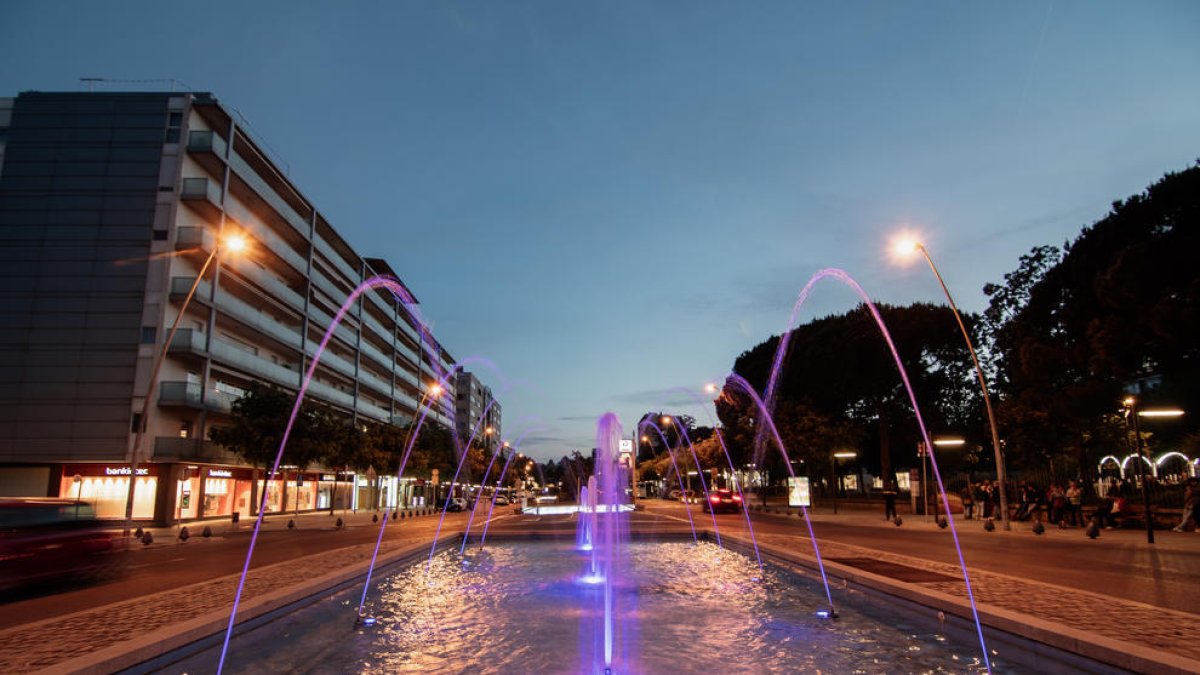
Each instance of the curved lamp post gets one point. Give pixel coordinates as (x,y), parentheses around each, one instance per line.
(234,243)
(908,247)
(1131,412)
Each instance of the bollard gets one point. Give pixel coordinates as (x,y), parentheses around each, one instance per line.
(339,523)
(291,524)
(989,525)
(184,534)
(899,521)
(1038,528)
(941,523)
(139,532)
(206,532)
(147,538)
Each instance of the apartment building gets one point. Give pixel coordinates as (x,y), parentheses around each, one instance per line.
(114,207)
(476,411)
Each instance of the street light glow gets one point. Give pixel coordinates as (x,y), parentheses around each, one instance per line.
(1161,412)
(666,419)
(905,244)
(435,389)
(711,388)
(235,243)
(846,454)
(949,442)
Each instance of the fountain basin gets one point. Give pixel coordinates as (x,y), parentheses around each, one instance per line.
(519,607)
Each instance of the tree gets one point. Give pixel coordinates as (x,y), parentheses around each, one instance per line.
(255,431)
(1118,310)
(840,388)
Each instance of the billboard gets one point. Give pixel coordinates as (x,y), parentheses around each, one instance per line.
(798,494)
(626,449)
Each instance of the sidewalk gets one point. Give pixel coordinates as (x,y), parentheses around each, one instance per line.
(123,634)
(1094,621)
(220,526)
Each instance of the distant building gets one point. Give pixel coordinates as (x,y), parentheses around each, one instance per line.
(474,403)
(110,205)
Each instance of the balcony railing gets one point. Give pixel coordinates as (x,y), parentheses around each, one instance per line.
(189,394)
(187,341)
(193,449)
(203,195)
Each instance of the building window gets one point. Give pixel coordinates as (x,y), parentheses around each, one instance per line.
(149,334)
(174,124)
(185,430)
(160,235)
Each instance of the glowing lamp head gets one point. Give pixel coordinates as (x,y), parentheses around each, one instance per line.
(711,388)
(489,431)
(666,419)
(645,439)
(234,243)
(435,389)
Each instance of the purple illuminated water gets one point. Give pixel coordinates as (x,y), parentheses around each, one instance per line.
(768,404)
(678,474)
(732,469)
(769,424)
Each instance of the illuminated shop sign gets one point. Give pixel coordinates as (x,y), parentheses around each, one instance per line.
(124,471)
(220,473)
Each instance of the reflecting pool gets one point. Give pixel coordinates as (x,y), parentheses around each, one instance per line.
(522,608)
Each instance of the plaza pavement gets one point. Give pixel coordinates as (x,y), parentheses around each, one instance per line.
(1129,634)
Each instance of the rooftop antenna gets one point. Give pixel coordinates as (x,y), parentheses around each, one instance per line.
(93,80)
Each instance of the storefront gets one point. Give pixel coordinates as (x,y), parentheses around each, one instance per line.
(226,490)
(334,490)
(106,488)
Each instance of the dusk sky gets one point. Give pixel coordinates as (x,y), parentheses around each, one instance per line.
(612,199)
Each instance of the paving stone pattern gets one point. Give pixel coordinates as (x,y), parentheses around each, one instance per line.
(41,645)
(1160,629)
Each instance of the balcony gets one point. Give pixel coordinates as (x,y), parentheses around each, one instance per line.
(203,195)
(257,320)
(250,365)
(268,196)
(168,448)
(208,149)
(188,395)
(190,238)
(187,342)
(181,285)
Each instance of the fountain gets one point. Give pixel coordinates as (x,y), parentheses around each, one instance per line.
(606,603)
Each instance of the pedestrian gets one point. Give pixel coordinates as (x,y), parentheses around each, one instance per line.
(1024,503)
(889,504)
(1058,504)
(988,504)
(1074,500)
(1189,505)
(968,502)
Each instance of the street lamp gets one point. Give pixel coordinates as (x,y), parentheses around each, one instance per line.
(837,480)
(234,243)
(906,247)
(435,390)
(1130,407)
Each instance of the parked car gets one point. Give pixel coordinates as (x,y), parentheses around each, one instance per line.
(721,500)
(501,500)
(53,539)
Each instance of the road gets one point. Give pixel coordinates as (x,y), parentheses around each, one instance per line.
(171,564)
(1120,563)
